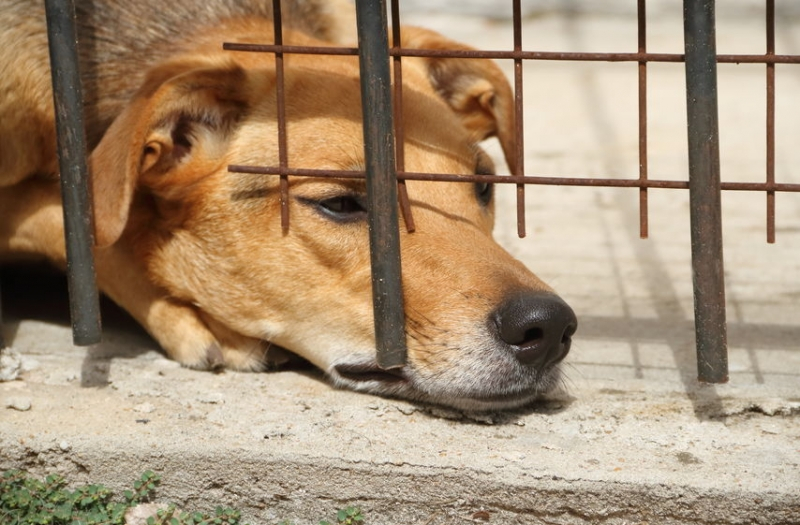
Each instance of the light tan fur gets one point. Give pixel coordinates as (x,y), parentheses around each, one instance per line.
(197,255)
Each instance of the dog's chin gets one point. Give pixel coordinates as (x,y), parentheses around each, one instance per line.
(404,383)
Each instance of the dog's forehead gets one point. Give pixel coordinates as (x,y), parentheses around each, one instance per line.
(322,111)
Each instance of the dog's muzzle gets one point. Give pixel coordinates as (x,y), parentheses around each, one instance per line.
(513,362)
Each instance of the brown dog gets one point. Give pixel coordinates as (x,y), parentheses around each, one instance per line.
(197,254)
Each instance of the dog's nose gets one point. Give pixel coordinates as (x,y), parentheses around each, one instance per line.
(538,326)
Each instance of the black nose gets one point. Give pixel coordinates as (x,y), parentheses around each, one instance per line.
(538,326)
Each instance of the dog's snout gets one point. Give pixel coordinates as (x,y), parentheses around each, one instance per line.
(538,327)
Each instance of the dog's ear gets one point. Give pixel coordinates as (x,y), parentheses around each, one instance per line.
(476,89)
(172,132)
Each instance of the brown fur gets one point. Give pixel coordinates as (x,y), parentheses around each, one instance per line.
(196,254)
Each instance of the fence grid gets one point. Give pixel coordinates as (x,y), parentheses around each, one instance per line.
(386,177)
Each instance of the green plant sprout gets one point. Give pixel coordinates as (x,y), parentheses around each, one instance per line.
(347,516)
(28,501)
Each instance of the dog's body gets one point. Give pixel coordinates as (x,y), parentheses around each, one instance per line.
(197,254)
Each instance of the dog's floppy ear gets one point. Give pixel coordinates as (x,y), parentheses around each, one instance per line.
(476,89)
(175,123)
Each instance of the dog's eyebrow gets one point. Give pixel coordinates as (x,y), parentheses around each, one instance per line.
(256,187)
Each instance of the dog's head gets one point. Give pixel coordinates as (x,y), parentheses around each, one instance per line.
(482,331)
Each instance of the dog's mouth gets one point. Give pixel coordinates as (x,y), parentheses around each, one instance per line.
(367,377)
(362,373)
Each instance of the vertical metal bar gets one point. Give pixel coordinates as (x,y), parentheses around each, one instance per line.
(770,121)
(78,225)
(643,214)
(704,191)
(379,144)
(519,139)
(405,204)
(280,95)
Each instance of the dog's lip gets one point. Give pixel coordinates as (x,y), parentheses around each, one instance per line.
(369,372)
(523,396)
(516,397)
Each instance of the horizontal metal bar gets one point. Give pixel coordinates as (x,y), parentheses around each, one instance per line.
(512,179)
(758,59)
(514,55)
(293,50)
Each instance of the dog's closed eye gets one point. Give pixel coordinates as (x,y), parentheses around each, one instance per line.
(340,208)
(484,192)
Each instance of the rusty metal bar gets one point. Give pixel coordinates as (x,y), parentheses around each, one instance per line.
(290,50)
(379,146)
(519,141)
(704,191)
(78,225)
(770,121)
(642,34)
(511,55)
(513,179)
(280,95)
(399,128)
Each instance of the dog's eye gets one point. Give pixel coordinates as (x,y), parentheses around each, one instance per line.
(343,208)
(484,192)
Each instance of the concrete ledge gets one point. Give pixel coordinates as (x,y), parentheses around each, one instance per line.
(286,446)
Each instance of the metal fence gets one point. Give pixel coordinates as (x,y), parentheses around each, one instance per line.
(385,174)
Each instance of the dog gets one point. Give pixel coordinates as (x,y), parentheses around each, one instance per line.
(197,255)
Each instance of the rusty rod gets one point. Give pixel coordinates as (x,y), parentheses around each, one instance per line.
(519,139)
(513,179)
(770,121)
(399,128)
(510,55)
(642,37)
(280,96)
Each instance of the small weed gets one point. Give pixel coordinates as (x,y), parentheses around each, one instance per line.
(347,516)
(28,501)
(172,516)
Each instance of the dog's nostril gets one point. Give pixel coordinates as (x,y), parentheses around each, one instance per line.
(569,331)
(538,326)
(531,337)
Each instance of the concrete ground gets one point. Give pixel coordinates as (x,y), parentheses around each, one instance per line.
(634,440)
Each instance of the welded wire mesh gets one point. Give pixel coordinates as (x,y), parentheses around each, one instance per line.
(518,176)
